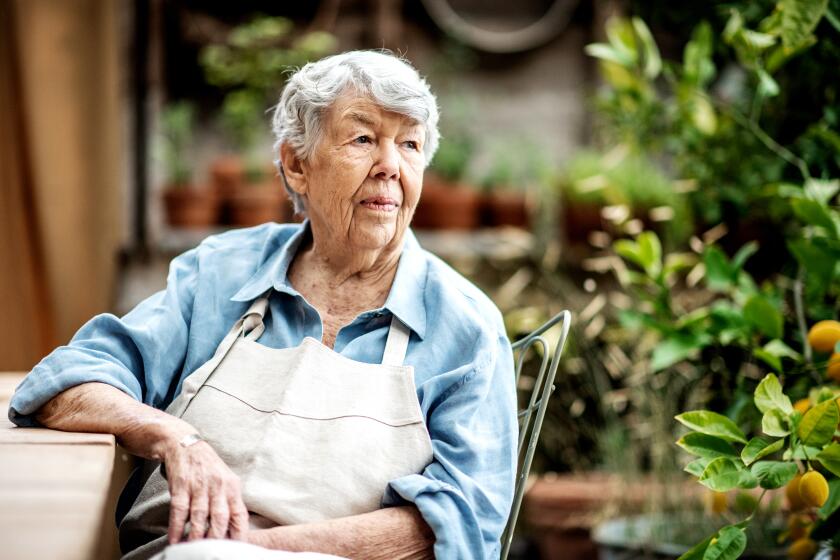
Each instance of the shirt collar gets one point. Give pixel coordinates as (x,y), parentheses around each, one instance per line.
(406,300)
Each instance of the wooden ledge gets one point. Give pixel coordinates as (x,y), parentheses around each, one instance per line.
(57,489)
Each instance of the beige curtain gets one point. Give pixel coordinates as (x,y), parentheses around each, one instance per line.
(61,174)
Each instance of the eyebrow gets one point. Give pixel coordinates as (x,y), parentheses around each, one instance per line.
(361,117)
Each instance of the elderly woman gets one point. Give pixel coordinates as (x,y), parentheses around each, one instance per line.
(327,387)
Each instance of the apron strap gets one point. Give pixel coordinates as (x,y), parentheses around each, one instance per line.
(396,344)
(252,321)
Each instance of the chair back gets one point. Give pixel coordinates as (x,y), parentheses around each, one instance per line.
(532,415)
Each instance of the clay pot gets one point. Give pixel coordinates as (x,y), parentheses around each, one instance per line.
(445,205)
(505,208)
(579,220)
(254,204)
(190,206)
(227,174)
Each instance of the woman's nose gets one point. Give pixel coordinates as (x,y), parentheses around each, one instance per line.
(387,163)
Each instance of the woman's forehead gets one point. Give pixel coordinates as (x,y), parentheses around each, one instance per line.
(363,110)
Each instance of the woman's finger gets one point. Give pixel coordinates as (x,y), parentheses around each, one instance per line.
(219,514)
(179,510)
(238,517)
(199,504)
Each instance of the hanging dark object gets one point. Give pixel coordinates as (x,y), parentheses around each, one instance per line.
(551,24)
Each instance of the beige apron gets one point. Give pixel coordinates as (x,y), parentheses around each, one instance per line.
(312,435)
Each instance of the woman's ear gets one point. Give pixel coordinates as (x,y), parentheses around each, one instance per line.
(293,169)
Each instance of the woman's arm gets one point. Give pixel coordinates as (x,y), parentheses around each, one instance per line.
(201,485)
(394,533)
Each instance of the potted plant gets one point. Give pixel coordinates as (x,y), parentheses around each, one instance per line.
(257,196)
(186,204)
(251,66)
(609,191)
(447,202)
(515,168)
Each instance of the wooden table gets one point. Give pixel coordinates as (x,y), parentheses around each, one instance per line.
(57,490)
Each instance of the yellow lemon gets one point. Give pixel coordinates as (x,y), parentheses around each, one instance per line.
(802,405)
(802,549)
(824,335)
(799,526)
(833,370)
(795,503)
(813,489)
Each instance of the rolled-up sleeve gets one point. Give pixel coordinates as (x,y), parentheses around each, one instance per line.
(466,492)
(140,353)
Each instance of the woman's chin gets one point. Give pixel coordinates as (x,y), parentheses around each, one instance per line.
(374,233)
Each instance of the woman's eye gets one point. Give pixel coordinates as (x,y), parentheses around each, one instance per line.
(411,144)
(363,139)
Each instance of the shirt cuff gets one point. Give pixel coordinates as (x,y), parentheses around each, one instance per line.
(448,514)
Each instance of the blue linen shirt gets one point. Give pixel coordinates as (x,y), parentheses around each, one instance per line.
(461,356)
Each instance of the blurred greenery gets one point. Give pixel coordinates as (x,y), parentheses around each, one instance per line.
(701,330)
(251,66)
(177,126)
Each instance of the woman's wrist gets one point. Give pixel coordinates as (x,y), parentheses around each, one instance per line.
(157,436)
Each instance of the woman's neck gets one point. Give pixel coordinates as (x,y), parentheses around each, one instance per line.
(334,260)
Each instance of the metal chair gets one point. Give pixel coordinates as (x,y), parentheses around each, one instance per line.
(530,424)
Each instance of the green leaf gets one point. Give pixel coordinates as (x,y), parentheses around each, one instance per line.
(774,474)
(652,59)
(606,52)
(830,458)
(781,350)
(820,190)
(813,213)
(706,446)
(676,348)
(766,84)
(650,252)
(621,37)
(768,396)
(697,466)
(698,68)
(723,474)
(731,542)
(719,274)
(775,423)
(743,254)
(763,316)
(629,250)
(697,551)
(759,447)
(799,19)
(712,424)
(832,504)
(801,452)
(816,260)
(768,358)
(818,425)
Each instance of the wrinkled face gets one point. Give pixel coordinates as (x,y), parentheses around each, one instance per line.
(364,179)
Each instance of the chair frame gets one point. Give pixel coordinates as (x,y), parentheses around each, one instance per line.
(529,423)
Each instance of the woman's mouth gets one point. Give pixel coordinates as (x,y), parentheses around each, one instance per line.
(380,204)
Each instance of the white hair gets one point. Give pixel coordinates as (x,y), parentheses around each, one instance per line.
(389,81)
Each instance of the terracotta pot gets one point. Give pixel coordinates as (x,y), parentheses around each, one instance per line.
(561,510)
(254,204)
(445,205)
(506,208)
(190,206)
(227,174)
(578,220)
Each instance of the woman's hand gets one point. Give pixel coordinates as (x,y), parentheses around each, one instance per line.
(204,492)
